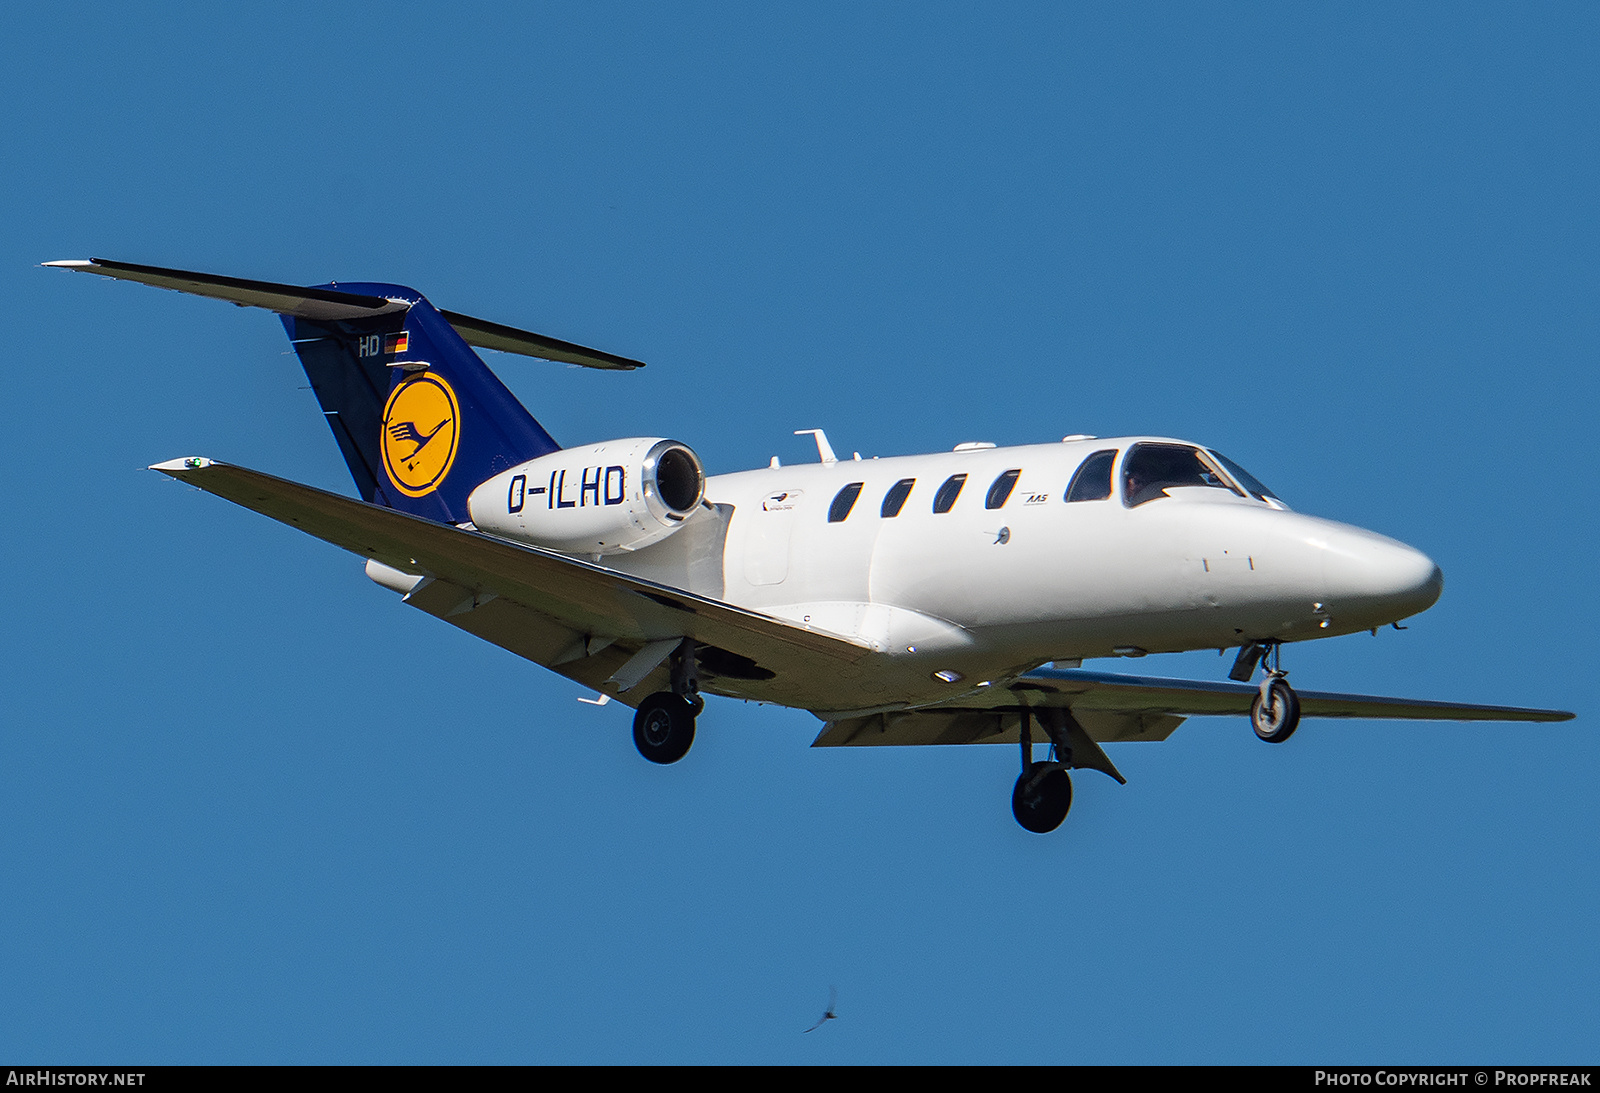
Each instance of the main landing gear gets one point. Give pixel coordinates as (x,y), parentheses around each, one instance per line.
(1043,792)
(663,726)
(1275,711)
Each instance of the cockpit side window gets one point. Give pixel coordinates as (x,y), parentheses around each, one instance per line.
(843,502)
(1092,482)
(945,499)
(1249,481)
(1000,492)
(895,499)
(1149,470)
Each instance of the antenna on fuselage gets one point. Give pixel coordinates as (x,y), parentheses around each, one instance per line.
(824,449)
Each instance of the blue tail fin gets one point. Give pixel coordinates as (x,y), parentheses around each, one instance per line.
(420,418)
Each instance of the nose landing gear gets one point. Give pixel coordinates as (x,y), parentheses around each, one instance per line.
(1275,711)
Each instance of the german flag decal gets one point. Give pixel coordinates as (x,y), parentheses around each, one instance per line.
(396,343)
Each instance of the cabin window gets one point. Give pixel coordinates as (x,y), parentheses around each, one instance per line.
(945,499)
(1093,480)
(895,499)
(1249,481)
(843,502)
(1001,490)
(1149,470)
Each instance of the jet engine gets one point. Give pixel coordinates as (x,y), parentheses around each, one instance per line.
(619,495)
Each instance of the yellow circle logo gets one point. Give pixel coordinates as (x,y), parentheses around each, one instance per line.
(421,430)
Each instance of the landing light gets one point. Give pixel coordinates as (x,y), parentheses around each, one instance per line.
(948,675)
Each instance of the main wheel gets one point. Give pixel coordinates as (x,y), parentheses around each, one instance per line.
(1040,800)
(1276,719)
(663,727)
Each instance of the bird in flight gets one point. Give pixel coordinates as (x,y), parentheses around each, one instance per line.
(833,1004)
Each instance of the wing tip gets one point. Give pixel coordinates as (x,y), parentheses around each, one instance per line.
(188,463)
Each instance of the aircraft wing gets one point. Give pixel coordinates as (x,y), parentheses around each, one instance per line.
(1113,707)
(585,621)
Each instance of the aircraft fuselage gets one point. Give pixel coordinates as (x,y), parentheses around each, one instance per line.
(1011,574)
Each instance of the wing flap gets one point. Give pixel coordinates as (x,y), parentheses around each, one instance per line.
(530,635)
(998,725)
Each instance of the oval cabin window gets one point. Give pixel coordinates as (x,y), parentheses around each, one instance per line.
(945,499)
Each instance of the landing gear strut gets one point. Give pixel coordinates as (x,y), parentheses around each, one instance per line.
(663,726)
(1043,792)
(1275,711)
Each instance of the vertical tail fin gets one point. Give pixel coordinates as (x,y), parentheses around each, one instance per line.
(420,419)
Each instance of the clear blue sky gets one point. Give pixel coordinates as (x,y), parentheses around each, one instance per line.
(253,809)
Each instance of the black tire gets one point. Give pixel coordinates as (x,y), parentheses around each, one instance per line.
(1276,720)
(1040,805)
(663,727)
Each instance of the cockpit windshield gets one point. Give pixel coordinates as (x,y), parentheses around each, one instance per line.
(1246,479)
(1149,470)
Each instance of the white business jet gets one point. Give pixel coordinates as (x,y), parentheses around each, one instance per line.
(933,599)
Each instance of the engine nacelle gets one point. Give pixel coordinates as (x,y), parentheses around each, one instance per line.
(605,498)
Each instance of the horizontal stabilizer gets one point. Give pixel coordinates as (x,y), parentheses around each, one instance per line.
(308,303)
(329,304)
(508,339)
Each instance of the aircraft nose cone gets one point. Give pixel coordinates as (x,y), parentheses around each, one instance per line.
(1380,578)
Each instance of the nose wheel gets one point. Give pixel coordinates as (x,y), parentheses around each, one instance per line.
(1275,711)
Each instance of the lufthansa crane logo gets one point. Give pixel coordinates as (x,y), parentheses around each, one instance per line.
(421,431)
